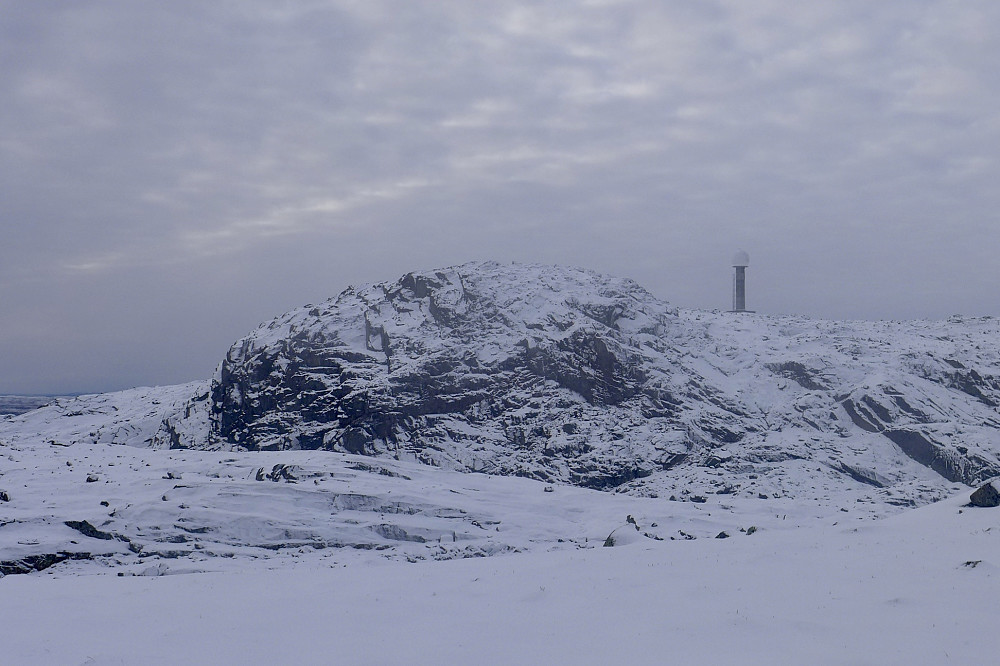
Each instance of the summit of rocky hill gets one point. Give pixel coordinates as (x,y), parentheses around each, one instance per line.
(568,376)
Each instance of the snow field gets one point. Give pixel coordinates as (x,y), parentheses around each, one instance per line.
(892,591)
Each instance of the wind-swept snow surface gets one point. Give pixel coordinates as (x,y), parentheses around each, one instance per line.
(103,508)
(917,588)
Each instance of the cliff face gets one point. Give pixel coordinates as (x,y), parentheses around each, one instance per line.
(569,376)
(539,371)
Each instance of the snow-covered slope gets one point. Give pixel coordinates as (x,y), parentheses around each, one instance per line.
(159,417)
(93,507)
(569,376)
(918,588)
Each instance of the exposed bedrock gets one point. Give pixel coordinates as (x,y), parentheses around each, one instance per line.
(566,375)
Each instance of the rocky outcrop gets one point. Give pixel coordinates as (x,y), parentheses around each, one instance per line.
(32,563)
(566,375)
(920,416)
(555,374)
(985,496)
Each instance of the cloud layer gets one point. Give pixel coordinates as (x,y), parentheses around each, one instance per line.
(173,173)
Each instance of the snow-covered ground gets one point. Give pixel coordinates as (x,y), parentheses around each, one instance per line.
(916,588)
(159,511)
(341,564)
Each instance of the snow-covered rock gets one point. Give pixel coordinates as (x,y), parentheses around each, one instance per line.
(569,376)
(157,417)
(551,373)
(987,495)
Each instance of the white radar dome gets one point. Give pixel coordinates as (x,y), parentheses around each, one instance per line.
(741,258)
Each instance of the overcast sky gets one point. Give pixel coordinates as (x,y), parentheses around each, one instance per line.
(174,173)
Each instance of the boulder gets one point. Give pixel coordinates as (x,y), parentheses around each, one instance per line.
(985,496)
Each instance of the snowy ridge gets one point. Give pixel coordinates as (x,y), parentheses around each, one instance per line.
(141,417)
(345,431)
(568,376)
(917,588)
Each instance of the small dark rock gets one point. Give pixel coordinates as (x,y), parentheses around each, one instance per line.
(986,496)
(277,473)
(4,497)
(37,562)
(86,529)
(722,535)
(92,479)
(698,499)
(104,503)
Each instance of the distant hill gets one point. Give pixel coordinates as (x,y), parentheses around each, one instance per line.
(568,376)
(19,404)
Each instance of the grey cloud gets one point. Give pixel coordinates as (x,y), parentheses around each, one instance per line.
(172,173)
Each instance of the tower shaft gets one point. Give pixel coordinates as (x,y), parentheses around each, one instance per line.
(740,289)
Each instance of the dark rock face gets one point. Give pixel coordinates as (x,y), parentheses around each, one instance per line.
(986,496)
(564,375)
(86,529)
(469,368)
(33,563)
(912,418)
(798,373)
